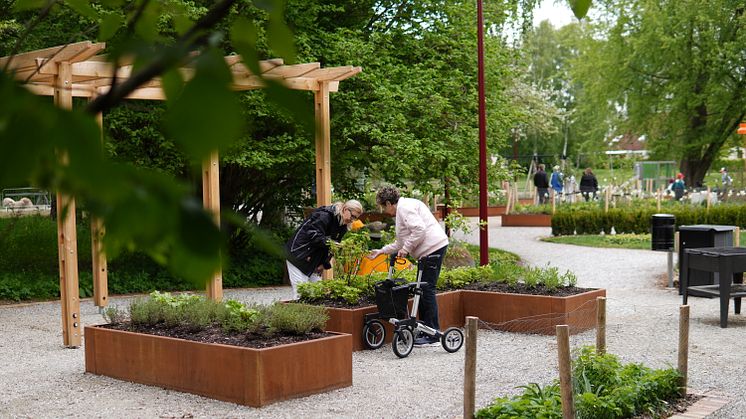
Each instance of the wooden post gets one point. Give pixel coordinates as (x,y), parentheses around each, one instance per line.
(508,199)
(211,202)
(683,346)
(563,358)
(98,257)
(659,198)
(607,196)
(323,152)
(470,366)
(67,242)
(601,325)
(737,237)
(638,186)
(554,201)
(676,243)
(709,193)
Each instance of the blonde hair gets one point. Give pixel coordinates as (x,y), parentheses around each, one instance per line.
(352,205)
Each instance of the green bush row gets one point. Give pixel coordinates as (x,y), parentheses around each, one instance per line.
(29,264)
(603,388)
(636,220)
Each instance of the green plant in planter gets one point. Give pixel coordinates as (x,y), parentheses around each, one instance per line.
(602,388)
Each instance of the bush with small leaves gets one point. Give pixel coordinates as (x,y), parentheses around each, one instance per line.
(296,319)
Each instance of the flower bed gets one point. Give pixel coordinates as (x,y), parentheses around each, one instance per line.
(526,220)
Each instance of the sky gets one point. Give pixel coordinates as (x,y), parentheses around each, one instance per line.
(558,14)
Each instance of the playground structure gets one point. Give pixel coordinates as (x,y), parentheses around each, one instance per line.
(77,70)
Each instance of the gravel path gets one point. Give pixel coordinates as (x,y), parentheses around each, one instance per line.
(40,378)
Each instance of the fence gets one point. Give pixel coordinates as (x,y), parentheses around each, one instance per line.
(25,198)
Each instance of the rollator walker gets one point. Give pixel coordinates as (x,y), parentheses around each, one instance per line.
(392,295)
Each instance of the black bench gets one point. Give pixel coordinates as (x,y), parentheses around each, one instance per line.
(725,262)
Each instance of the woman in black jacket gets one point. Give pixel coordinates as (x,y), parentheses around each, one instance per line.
(307,250)
(588,184)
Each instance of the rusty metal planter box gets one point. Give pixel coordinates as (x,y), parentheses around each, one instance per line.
(351,320)
(254,377)
(527,313)
(526,220)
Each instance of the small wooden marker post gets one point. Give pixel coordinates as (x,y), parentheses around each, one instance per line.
(601,325)
(683,347)
(563,358)
(470,366)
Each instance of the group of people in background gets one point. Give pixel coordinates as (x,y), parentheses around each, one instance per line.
(588,183)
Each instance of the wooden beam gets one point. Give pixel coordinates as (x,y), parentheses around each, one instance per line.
(66,233)
(49,90)
(323,152)
(295,70)
(323,146)
(98,261)
(60,53)
(211,201)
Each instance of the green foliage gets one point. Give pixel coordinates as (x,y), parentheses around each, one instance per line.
(624,241)
(298,319)
(349,253)
(603,388)
(462,276)
(114,314)
(336,289)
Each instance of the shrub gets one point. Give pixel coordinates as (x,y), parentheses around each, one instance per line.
(298,319)
(602,388)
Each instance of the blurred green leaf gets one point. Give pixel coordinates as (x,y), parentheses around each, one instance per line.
(147,25)
(280,37)
(580,7)
(83,7)
(243,36)
(110,24)
(172,83)
(293,101)
(21,5)
(206,116)
(198,255)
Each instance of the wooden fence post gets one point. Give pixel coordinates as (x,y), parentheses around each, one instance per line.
(563,357)
(683,346)
(554,201)
(709,193)
(470,366)
(601,325)
(508,199)
(737,237)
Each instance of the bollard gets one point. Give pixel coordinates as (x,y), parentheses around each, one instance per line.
(470,366)
(563,358)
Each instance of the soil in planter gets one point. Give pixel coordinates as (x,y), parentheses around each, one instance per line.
(523,289)
(213,334)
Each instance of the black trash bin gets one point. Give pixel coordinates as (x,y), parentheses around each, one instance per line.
(662,232)
(701,235)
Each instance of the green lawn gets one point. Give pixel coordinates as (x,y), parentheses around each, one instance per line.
(620,241)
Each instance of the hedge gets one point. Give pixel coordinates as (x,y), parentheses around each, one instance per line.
(636,220)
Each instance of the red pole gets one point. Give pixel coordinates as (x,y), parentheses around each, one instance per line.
(484,256)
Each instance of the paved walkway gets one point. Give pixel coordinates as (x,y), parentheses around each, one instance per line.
(39,378)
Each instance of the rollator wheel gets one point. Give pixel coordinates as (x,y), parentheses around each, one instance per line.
(403,342)
(452,339)
(374,334)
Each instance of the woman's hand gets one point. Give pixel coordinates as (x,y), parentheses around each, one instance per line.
(374,253)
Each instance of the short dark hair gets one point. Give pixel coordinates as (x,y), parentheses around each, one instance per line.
(387,194)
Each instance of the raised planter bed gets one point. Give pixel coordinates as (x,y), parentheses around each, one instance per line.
(526,220)
(350,320)
(253,377)
(525,313)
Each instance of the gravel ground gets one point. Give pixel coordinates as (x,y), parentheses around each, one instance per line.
(40,378)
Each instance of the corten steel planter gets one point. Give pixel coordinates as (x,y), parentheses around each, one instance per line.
(526,220)
(254,377)
(351,320)
(527,313)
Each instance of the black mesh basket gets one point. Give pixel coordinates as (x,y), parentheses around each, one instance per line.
(391,298)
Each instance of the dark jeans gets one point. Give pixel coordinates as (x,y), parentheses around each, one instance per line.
(543,195)
(430,267)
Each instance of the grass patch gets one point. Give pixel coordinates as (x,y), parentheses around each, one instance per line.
(619,241)
(495,255)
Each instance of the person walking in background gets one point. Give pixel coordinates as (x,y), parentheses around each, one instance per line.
(419,234)
(542,184)
(678,186)
(556,181)
(588,184)
(725,178)
(307,250)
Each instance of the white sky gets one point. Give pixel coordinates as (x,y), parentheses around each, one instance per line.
(558,14)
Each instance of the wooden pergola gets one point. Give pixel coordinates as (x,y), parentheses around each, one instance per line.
(77,70)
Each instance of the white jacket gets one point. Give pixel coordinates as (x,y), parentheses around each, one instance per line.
(417,230)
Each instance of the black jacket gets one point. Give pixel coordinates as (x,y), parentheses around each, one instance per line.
(588,183)
(540,179)
(307,248)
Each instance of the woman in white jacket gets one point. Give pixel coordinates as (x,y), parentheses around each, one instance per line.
(420,235)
